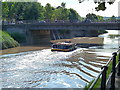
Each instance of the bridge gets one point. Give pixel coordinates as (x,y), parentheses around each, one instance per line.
(67,26)
(37,30)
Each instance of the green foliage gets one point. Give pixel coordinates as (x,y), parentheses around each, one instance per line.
(97,85)
(18,37)
(73,15)
(48,11)
(6,41)
(5,10)
(22,10)
(100,18)
(112,19)
(101,6)
(87,86)
(92,17)
(61,13)
(15,11)
(114,35)
(33,11)
(102,31)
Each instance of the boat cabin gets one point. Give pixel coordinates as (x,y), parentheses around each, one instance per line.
(63,46)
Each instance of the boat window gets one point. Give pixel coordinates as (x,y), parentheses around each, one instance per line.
(67,47)
(62,46)
(54,46)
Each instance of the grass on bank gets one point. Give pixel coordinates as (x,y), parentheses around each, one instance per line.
(114,35)
(6,41)
(98,84)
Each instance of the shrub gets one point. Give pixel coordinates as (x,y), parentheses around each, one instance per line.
(18,37)
(6,41)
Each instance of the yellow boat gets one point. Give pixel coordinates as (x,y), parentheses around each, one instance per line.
(63,46)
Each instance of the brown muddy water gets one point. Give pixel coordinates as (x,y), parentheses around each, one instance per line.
(46,69)
(22,49)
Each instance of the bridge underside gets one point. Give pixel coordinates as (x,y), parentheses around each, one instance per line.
(39,37)
(43,37)
(67,34)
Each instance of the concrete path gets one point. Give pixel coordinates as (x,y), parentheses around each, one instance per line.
(117,82)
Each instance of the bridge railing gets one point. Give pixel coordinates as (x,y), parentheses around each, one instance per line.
(47,21)
(111,78)
(38,22)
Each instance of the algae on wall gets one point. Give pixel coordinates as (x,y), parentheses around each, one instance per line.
(6,41)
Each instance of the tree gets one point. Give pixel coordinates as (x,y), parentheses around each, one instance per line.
(5,10)
(73,15)
(33,11)
(100,18)
(48,11)
(101,4)
(91,17)
(11,13)
(61,13)
(63,5)
(64,11)
(113,18)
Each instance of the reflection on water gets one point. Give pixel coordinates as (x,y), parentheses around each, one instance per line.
(47,69)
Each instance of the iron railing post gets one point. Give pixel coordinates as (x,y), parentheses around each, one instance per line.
(103,81)
(118,73)
(112,87)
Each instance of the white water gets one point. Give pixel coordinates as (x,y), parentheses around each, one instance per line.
(46,69)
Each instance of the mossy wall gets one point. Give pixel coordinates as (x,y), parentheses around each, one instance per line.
(6,41)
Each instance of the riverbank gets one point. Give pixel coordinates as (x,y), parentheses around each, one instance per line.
(6,41)
(80,41)
(22,49)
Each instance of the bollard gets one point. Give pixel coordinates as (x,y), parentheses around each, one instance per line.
(112,87)
(103,81)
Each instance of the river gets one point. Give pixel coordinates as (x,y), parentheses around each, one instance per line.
(47,69)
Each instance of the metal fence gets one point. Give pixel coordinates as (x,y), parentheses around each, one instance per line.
(111,78)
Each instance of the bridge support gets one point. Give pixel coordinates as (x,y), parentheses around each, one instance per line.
(38,37)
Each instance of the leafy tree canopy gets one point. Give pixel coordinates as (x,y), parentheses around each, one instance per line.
(101,4)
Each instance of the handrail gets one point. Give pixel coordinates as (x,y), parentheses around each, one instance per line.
(104,82)
(111,74)
(99,75)
(95,81)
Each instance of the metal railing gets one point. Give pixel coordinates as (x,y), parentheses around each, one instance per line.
(48,21)
(111,78)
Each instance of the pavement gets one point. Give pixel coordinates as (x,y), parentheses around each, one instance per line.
(117,83)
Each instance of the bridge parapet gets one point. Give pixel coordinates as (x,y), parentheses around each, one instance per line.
(67,26)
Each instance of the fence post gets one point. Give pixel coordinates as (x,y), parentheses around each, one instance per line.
(112,87)
(118,73)
(103,81)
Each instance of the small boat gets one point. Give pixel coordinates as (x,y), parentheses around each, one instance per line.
(63,46)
